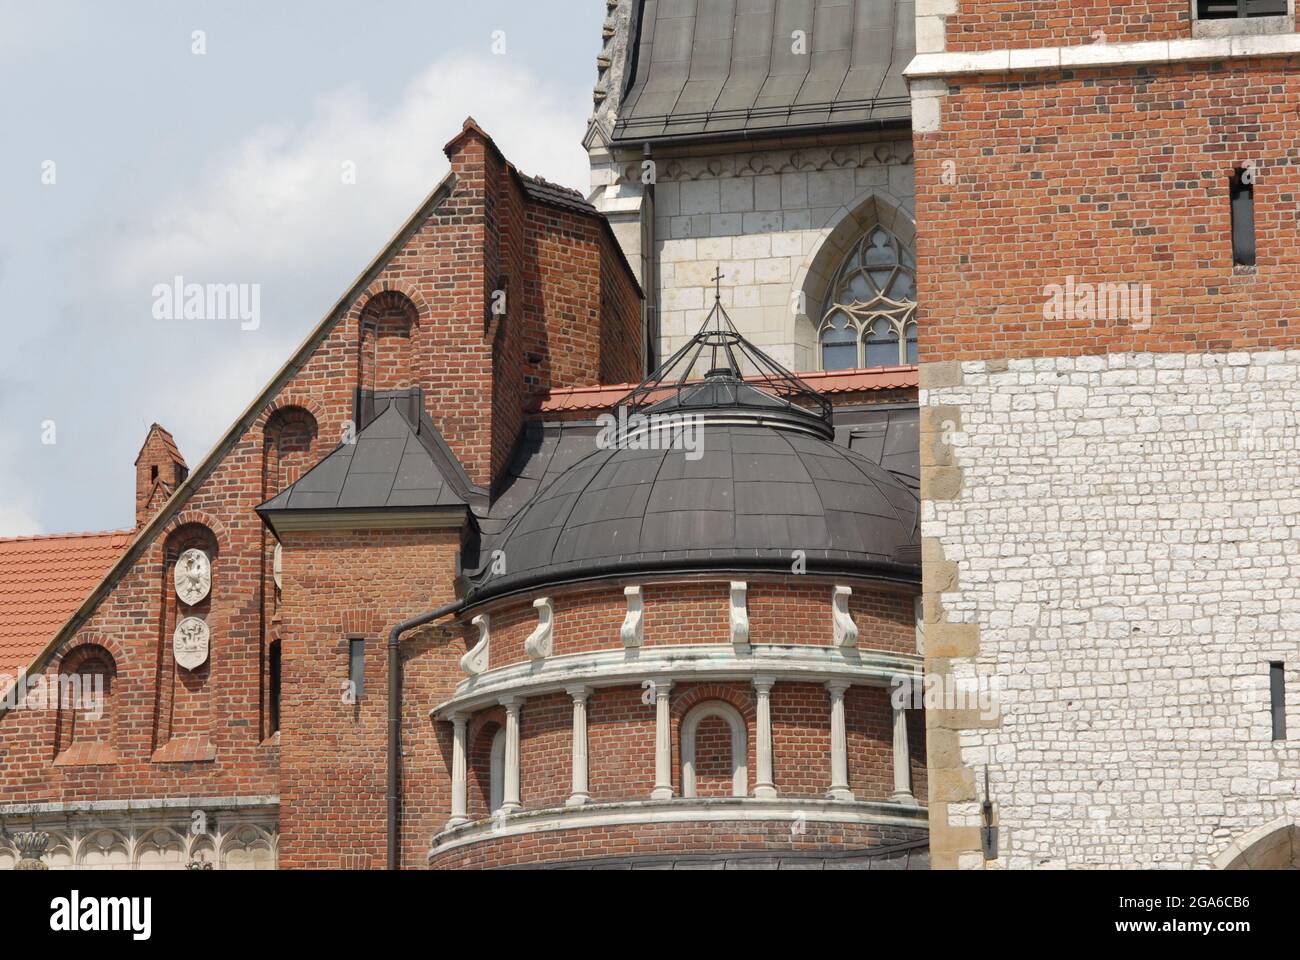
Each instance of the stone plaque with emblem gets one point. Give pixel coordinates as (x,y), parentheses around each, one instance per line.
(190,643)
(192,576)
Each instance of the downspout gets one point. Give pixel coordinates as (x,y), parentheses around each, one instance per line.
(395,715)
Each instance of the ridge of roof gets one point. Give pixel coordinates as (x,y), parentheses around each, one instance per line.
(39,537)
(898,377)
(169,444)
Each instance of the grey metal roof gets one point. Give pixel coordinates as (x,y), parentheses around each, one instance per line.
(887,435)
(756,494)
(390,464)
(716,67)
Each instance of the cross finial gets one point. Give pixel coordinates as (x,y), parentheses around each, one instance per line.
(717,283)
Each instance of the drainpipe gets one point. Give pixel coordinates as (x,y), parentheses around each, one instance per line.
(395,716)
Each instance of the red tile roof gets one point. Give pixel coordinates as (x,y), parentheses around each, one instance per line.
(43,580)
(832,382)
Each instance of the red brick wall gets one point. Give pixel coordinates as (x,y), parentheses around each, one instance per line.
(208,733)
(620,744)
(980,25)
(1118,176)
(683,838)
(794,609)
(333,753)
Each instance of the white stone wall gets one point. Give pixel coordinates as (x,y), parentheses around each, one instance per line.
(762,218)
(1127,537)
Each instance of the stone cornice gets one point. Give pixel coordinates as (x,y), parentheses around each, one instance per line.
(679,810)
(956,64)
(695,662)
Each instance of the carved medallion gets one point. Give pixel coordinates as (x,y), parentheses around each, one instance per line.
(190,643)
(192,576)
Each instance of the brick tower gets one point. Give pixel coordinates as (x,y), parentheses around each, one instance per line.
(1107,252)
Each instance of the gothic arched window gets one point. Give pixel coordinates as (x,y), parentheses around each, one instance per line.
(870,314)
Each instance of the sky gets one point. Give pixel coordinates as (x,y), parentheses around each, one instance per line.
(137,149)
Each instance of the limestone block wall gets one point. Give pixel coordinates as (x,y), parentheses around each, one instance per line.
(775,221)
(1111,545)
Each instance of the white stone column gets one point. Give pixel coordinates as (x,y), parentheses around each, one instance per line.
(902,760)
(459,788)
(510,792)
(579,794)
(839,743)
(663,742)
(763,785)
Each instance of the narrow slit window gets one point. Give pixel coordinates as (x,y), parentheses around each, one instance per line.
(357,667)
(1241,194)
(273,669)
(1277,698)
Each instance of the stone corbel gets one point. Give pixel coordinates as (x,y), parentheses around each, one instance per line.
(633,629)
(845,630)
(739,614)
(476,661)
(540,642)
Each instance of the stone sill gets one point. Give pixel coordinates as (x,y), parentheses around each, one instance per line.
(87,755)
(680,810)
(693,663)
(1244,26)
(185,750)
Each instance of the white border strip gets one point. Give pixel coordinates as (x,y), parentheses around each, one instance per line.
(1101,55)
(685,662)
(679,810)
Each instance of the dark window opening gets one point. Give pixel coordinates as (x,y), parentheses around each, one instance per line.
(273,669)
(1277,698)
(1241,194)
(153,473)
(357,668)
(1231,9)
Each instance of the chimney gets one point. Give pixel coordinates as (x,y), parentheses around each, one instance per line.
(159,470)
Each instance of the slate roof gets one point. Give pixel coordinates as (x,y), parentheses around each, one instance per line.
(43,580)
(391,464)
(718,67)
(756,494)
(544,191)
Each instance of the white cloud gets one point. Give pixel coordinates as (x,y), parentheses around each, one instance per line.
(277,200)
(270,210)
(16,520)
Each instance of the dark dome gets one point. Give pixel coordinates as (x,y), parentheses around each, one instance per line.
(757,494)
(760,478)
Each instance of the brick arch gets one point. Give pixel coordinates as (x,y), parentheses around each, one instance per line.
(198,518)
(81,641)
(287,400)
(282,467)
(80,737)
(479,737)
(387,326)
(726,692)
(407,289)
